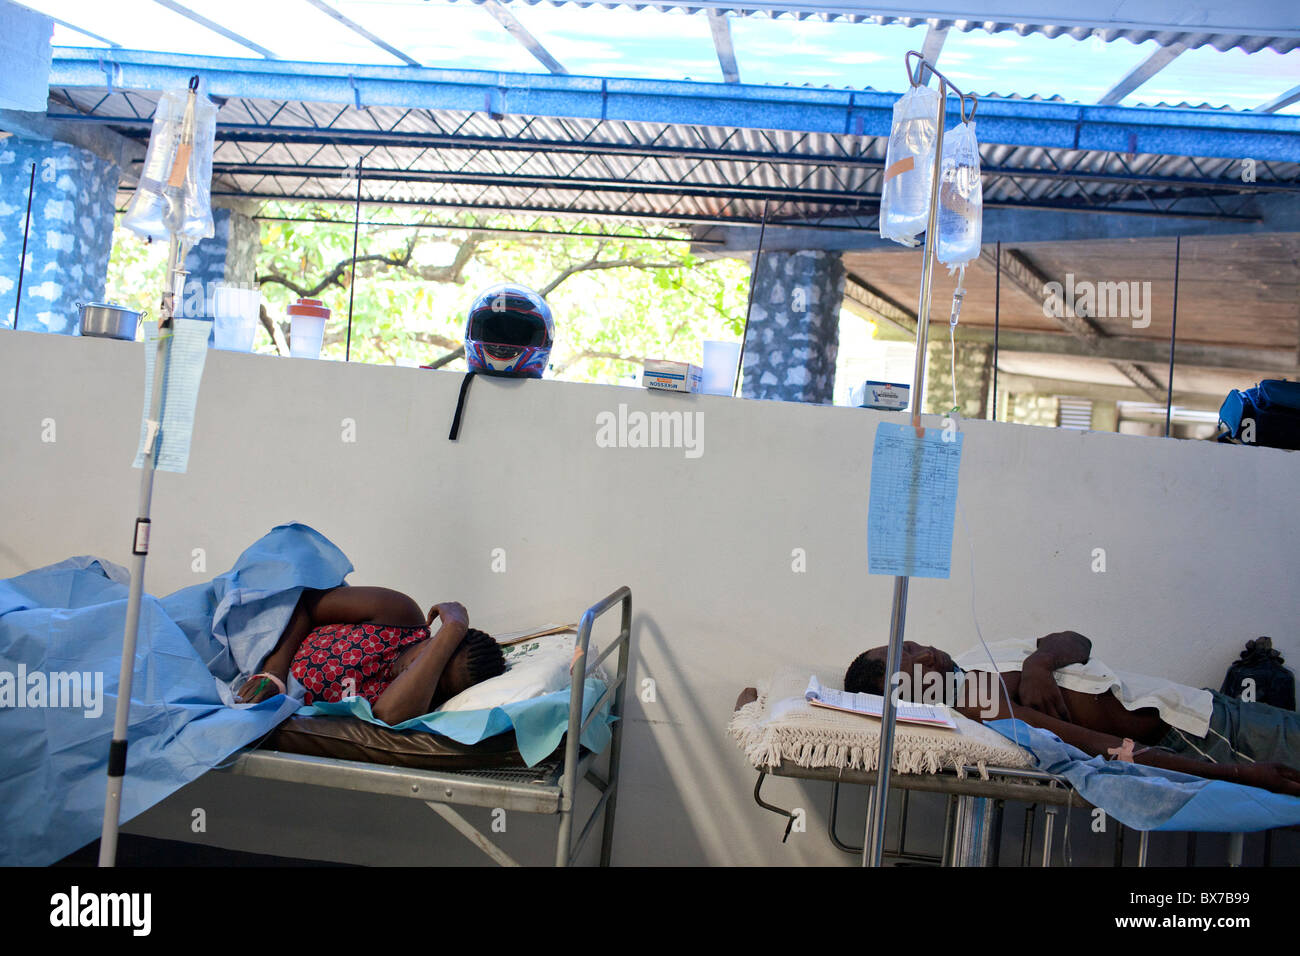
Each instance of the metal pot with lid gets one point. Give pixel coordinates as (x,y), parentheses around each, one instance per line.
(105,320)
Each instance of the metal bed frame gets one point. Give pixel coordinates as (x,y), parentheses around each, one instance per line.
(549,788)
(973,821)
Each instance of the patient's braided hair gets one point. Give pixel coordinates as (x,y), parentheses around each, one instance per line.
(866,675)
(483,657)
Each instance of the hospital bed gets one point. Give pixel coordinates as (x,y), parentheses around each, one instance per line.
(976,798)
(973,816)
(490,774)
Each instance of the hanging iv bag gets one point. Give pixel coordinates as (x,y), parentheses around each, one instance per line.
(909,166)
(961,198)
(174,196)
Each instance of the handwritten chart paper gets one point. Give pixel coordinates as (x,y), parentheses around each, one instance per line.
(189,352)
(913,501)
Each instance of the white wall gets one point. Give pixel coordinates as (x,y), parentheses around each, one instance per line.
(1201,546)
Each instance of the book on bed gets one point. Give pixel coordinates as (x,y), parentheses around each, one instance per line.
(873,705)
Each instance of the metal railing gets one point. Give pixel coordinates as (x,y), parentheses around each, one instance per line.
(567,848)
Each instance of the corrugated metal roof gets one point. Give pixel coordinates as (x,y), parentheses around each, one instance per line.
(457,159)
(1252,35)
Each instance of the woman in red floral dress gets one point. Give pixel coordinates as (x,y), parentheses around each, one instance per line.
(377,643)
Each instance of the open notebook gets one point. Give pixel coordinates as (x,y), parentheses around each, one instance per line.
(873,705)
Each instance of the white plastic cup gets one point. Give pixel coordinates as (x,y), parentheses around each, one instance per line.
(720,360)
(307,328)
(235,313)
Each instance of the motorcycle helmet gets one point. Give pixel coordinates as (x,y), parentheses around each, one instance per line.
(510,331)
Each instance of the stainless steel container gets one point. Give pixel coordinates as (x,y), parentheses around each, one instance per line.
(109,321)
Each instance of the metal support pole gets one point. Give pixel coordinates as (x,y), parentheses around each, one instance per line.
(875,836)
(616,734)
(1049,824)
(1144,841)
(971,835)
(176,250)
(749,304)
(1236,845)
(1027,841)
(22,257)
(139,551)
(1173,332)
(997,313)
(352,282)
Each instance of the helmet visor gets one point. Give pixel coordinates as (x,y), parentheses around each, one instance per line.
(508,327)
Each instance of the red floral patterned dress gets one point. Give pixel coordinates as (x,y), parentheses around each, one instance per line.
(336,660)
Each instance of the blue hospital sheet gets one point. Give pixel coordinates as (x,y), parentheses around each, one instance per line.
(69,618)
(1150,798)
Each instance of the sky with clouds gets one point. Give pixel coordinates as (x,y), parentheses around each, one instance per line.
(649,44)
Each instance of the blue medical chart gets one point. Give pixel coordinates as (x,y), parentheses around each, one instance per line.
(913,501)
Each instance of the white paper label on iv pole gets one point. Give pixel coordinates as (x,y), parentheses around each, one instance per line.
(913,501)
(150,434)
(188,353)
(141,543)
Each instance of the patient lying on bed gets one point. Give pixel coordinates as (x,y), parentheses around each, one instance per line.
(1057,685)
(376,643)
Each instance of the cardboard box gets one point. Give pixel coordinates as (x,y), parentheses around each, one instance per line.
(671,376)
(888,396)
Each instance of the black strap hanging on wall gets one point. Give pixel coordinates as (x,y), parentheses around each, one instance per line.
(460,405)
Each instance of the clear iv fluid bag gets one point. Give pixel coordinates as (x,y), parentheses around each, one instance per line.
(961,198)
(909,166)
(165,202)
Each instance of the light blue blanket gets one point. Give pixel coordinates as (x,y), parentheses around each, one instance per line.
(1149,798)
(539,722)
(195,645)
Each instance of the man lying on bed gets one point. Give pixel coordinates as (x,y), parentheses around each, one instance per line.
(376,643)
(1057,685)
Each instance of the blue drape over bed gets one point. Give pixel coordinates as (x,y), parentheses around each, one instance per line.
(70,617)
(1150,798)
(196,647)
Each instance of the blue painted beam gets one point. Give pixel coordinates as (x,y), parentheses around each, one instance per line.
(1178,132)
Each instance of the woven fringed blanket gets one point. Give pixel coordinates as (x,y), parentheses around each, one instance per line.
(782,727)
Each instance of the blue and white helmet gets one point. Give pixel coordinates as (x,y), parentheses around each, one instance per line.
(510,331)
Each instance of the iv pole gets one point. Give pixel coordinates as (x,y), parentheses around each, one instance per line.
(177,248)
(873,845)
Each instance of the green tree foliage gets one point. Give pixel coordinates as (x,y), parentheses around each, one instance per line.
(616,300)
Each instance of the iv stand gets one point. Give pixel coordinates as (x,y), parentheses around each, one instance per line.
(873,845)
(176,252)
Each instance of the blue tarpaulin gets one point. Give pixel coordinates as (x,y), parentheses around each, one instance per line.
(1150,798)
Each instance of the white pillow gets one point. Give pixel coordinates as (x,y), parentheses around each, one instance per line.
(534,667)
